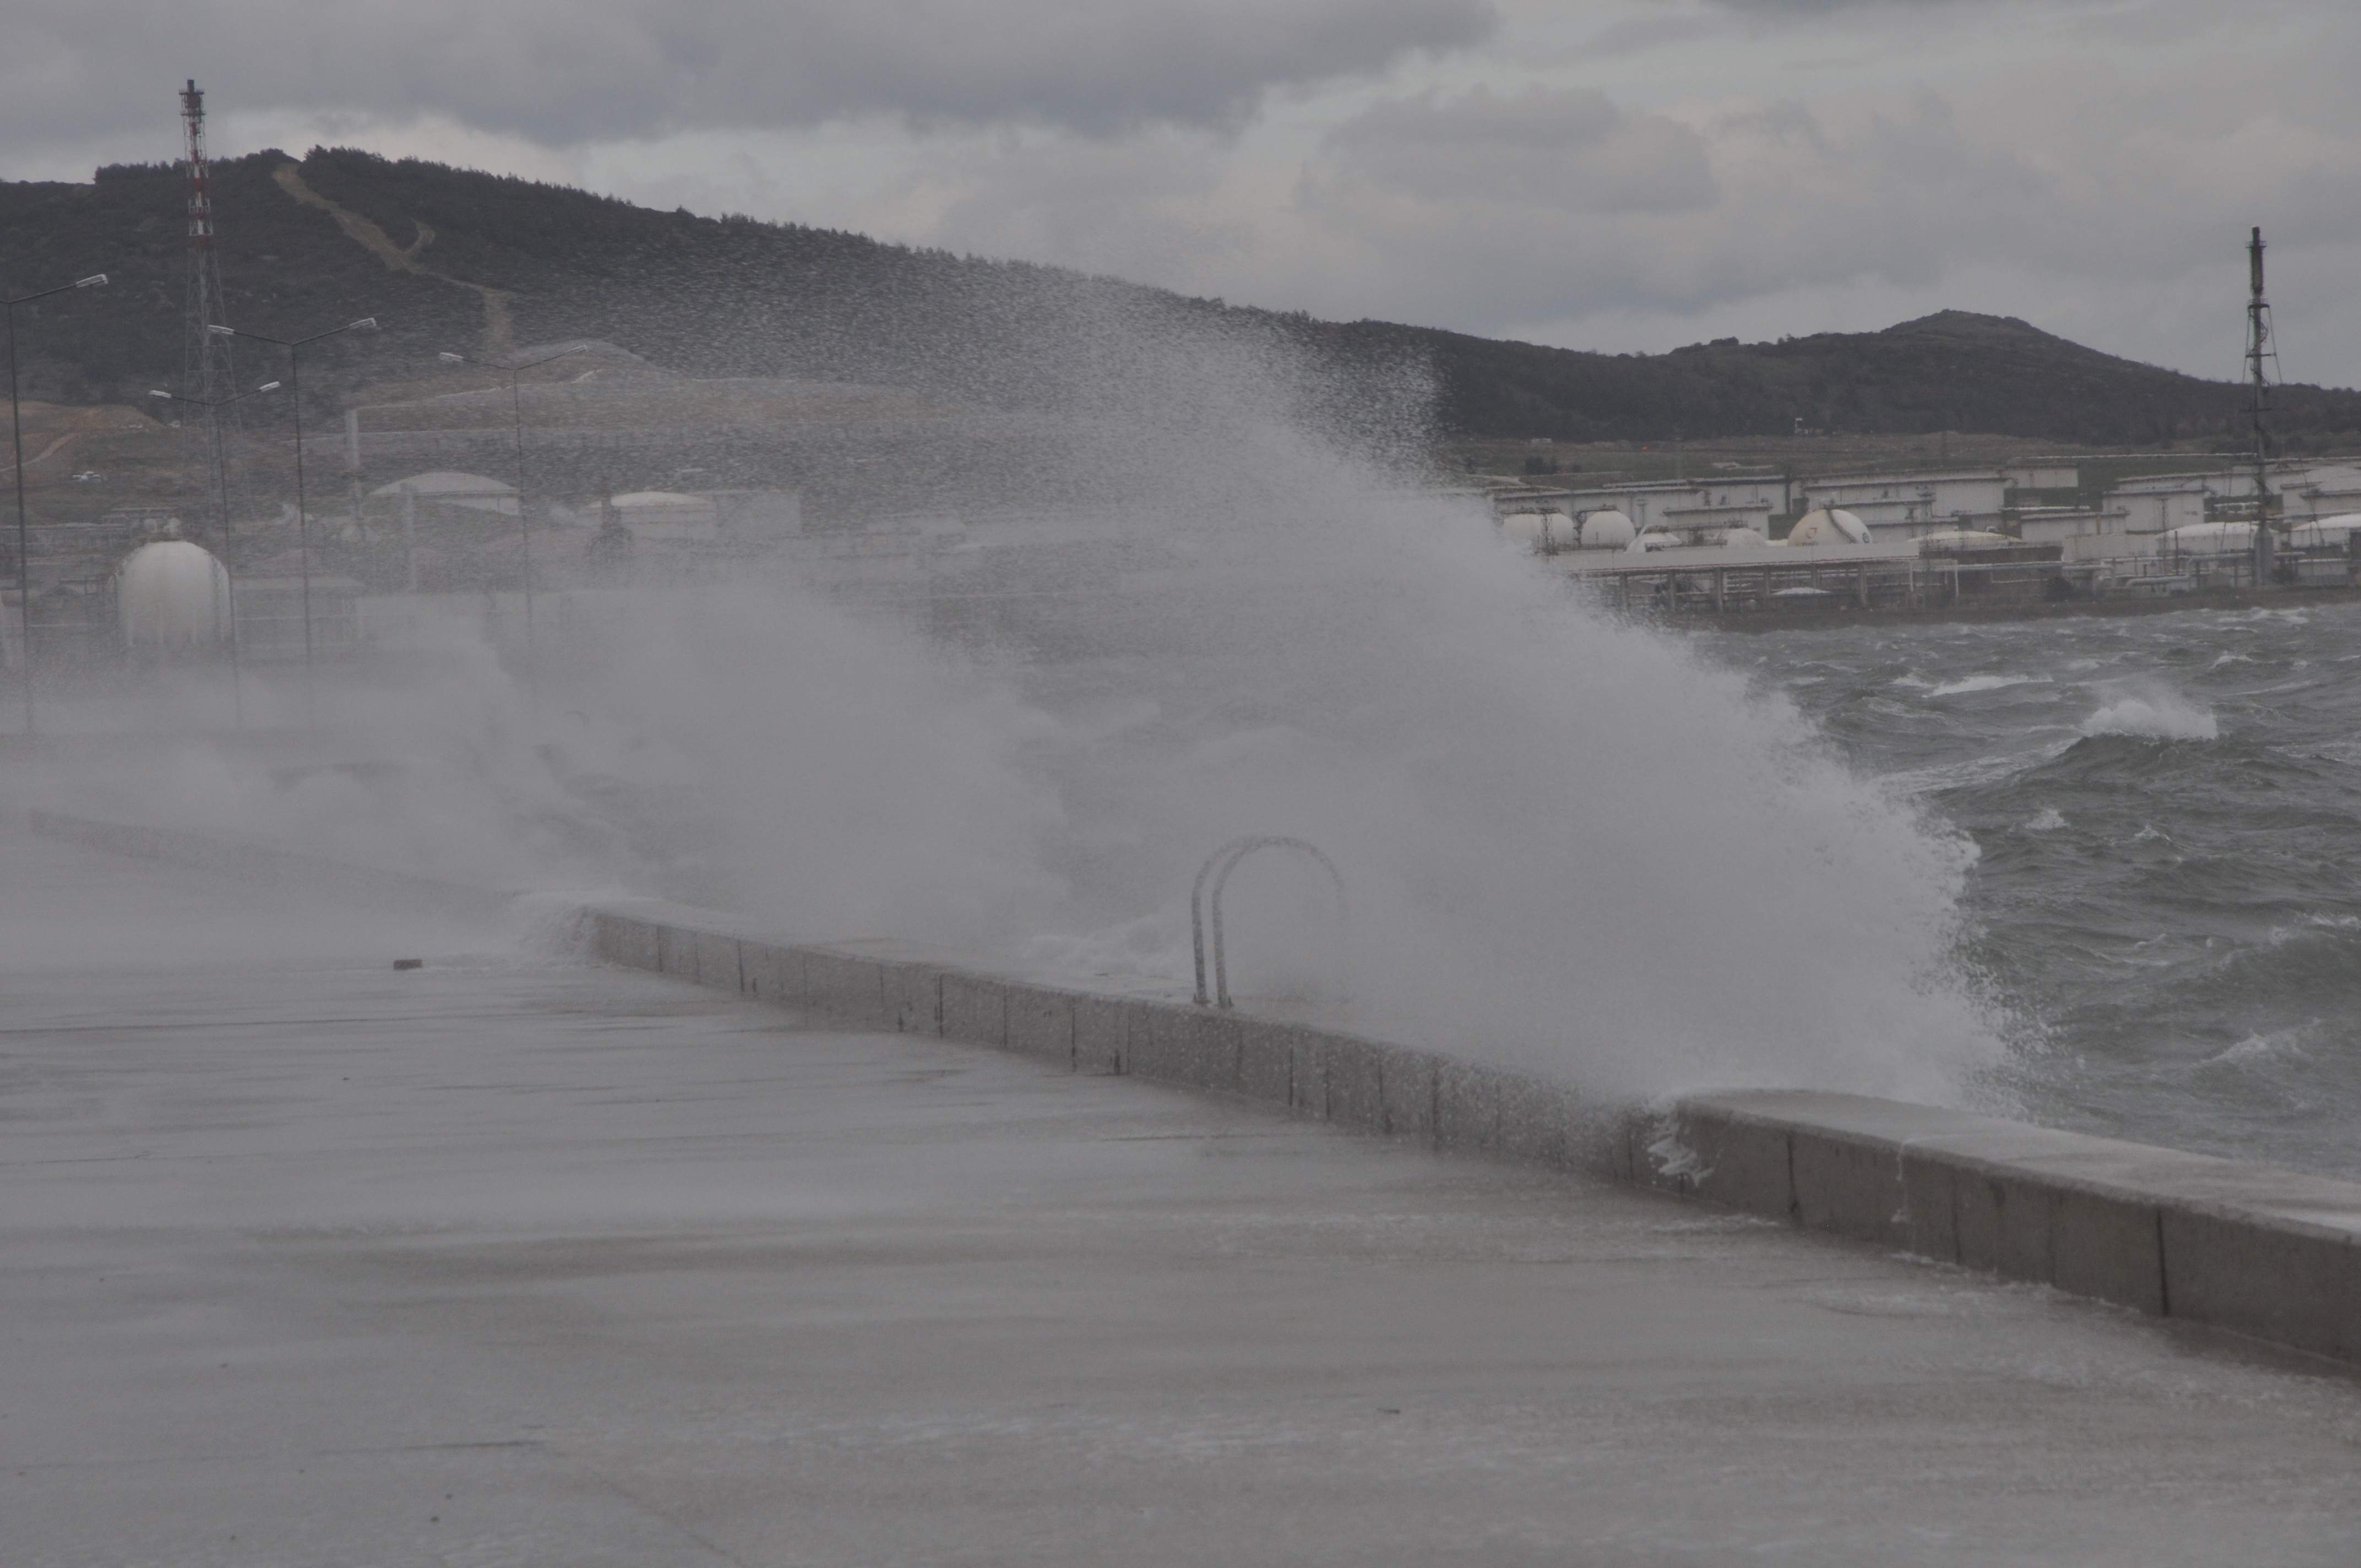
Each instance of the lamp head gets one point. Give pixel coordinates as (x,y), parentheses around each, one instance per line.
(367,323)
(267,387)
(450,359)
(220,331)
(96,281)
(160,394)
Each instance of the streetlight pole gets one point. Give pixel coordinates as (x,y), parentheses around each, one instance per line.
(16,436)
(212,407)
(515,370)
(295,347)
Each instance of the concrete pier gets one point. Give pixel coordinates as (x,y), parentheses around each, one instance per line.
(514,1259)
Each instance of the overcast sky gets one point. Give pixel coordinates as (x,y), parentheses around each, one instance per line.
(1629,174)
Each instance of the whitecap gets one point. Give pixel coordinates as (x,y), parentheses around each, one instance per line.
(2154,715)
(2264,1047)
(1985,684)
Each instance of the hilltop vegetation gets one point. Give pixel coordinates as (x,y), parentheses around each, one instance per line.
(732,296)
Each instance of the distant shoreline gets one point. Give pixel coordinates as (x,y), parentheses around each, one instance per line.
(1835,617)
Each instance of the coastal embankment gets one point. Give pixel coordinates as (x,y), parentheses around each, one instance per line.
(2271,1255)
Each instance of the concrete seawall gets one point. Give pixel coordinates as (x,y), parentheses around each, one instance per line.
(2270,1254)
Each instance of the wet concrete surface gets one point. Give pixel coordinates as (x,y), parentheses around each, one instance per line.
(512,1260)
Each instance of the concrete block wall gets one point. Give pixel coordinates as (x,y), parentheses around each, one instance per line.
(1334,1078)
(2271,1254)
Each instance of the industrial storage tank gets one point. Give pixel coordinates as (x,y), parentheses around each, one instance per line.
(2324,533)
(1541,531)
(1607,529)
(1655,539)
(2207,539)
(173,596)
(1742,539)
(1950,540)
(1829,525)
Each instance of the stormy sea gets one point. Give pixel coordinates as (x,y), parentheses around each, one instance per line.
(2166,897)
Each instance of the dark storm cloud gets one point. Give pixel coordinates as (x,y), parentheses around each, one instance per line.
(561,73)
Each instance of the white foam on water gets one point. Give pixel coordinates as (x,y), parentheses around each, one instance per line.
(1985,684)
(2153,712)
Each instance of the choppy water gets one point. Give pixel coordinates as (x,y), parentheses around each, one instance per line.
(2167,807)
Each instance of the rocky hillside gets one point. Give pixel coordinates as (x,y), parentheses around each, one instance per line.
(451,259)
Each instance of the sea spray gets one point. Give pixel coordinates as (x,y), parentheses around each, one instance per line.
(1230,605)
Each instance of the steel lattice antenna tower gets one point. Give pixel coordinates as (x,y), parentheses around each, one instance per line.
(206,373)
(2262,369)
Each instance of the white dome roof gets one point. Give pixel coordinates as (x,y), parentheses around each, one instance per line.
(1607,529)
(447,482)
(1829,525)
(1742,539)
(173,593)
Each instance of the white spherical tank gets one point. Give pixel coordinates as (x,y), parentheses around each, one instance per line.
(1742,539)
(1607,529)
(1829,525)
(173,595)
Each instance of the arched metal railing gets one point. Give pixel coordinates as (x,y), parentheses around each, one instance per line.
(1216,870)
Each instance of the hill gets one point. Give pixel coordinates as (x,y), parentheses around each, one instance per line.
(456,261)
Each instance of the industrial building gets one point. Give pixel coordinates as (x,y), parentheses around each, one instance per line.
(1945,537)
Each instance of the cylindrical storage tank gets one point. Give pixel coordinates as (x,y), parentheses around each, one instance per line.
(1951,540)
(1541,530)
(1607,529)
(2324,533)
(2207,539)
(1829,525)
(173,596)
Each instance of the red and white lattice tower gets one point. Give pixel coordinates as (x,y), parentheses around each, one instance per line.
(206,373)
